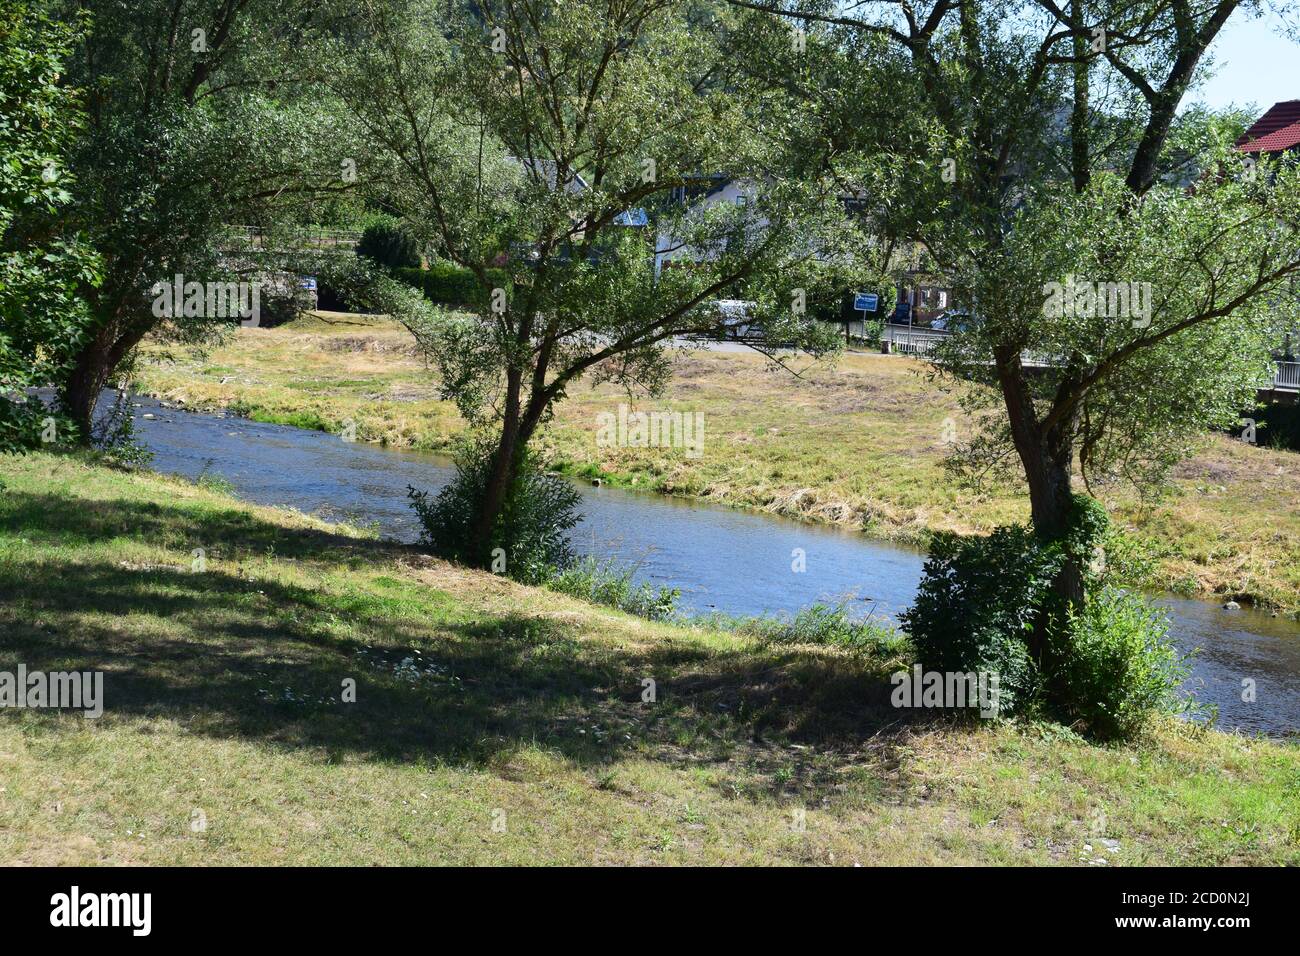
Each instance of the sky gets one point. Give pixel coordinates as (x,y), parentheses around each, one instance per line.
(1254,65)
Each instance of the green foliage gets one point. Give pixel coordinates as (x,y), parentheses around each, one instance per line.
(186,138)
(42,319)
(1159,378)
(448,284)
(115,434)
(1118,666)
(1106,663)
(614,586)
(481,164)
(978,603)
(389,244)
(829,625)
(531,530)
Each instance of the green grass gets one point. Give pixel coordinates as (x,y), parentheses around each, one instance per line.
(308,420)
(479,700)
(860,445)
(829,625)
(612,585)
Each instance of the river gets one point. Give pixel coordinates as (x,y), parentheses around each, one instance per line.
(723,559)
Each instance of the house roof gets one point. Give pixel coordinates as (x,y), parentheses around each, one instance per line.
(1276,131)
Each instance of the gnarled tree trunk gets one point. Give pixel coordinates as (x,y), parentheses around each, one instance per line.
(1047,455)
(79,393)
(517,426)
(97,362)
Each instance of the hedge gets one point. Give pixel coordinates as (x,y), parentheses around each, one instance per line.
(389,245)
(449,284)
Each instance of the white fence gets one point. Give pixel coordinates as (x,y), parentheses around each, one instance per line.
(1287,376)
(909,341)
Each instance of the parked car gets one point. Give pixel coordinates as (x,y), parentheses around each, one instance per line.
(952,320)
(738,315)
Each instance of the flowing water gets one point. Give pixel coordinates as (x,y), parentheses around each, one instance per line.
(722,559)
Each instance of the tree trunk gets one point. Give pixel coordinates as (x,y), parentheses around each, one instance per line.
(79,394)
(501,475)
(501,472)
(94,368)
(1051,504)
(1047,456)
(516,431)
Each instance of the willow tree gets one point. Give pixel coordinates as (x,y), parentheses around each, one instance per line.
(562,143)
(199,115)
(1061,158)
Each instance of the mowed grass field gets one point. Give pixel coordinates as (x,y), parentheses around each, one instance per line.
(498,724)
(860,444)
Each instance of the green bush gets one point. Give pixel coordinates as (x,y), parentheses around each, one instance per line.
(390,245)
(448,284)
(1104,666)
(613,586)
(531,530)
(978,602)
(1118,666)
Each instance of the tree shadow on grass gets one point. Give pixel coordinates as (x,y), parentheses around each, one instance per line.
(232,654)
(50,519)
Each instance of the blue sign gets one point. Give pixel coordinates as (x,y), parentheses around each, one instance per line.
(866,301)
(308,283)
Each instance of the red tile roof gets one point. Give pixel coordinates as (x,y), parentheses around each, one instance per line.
(1276,131)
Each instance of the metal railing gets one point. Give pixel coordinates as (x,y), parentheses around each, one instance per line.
(908,340)
(911,341)
(1287,376)
(326,239)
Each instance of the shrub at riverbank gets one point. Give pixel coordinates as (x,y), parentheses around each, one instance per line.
(1101,662)
(496,723)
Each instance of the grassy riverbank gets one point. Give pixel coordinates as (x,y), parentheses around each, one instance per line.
(224,741)
(861,444)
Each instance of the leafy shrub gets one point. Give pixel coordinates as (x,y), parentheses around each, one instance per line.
(978,602)
(1118,665)
(24,420)
(390,245)
(113,434)
(1130,561)
(448,284)
(531,530)
(1104,665)
(613,586)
